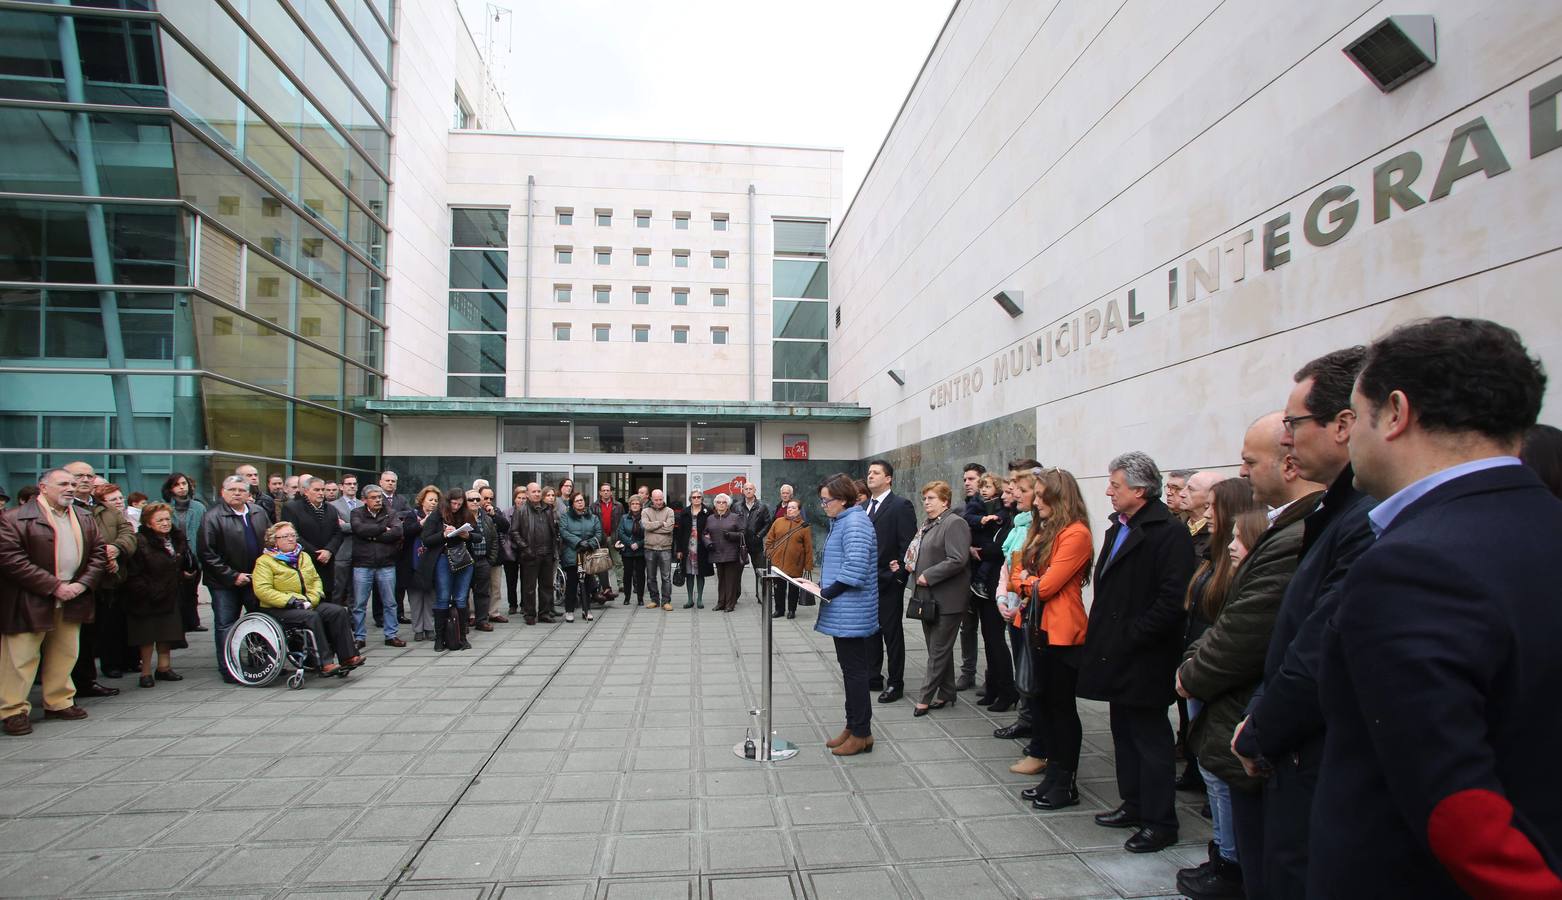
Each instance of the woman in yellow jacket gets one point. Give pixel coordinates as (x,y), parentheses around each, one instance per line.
(1053,566)
(289,590)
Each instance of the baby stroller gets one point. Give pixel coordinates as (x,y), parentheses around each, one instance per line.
(259,648)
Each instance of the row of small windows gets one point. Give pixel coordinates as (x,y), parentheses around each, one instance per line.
(719,259)
(640,334)
(601,293)
(565,215)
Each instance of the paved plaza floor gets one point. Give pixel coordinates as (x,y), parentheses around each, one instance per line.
(572,761)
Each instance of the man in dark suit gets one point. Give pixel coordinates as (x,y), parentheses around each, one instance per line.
(895,524)
(1133,645)
(1441,677)
(319,531)
(1282,736)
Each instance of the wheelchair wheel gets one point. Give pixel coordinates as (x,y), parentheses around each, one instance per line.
(256,649)
(295,681)
(558,582)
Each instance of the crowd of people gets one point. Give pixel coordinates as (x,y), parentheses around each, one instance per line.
(1358,629)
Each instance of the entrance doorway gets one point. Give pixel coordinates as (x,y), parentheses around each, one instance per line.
(626,477)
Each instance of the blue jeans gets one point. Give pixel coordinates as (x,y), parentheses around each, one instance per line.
(450,587)
(1219,796)
(228,603)
(364,582)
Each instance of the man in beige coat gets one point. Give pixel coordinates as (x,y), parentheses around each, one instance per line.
(657,519)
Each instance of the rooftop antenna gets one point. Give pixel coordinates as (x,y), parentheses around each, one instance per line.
(498,41)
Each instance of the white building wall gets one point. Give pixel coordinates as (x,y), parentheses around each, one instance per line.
(435,53)
(625,175)
(1077,152)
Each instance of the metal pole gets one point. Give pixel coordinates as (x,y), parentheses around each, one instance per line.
(767,747)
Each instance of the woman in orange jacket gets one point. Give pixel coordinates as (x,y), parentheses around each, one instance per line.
(1050,574)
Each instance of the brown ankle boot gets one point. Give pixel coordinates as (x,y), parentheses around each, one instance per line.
(854,745)
(839,739)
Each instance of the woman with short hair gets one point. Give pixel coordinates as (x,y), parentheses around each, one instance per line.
(580,532)
(158,569)
(630,541)
(420,595)
(789,545)
(689,550)
(723,542)
(937,560)
(289,590)
(849,613)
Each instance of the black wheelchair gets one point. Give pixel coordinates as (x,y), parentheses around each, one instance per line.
(260,648)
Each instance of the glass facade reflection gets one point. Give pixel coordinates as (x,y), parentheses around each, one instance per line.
(192,236)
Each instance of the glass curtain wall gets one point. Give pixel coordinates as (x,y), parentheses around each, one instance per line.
(799,311)
(192,236)
(479,301)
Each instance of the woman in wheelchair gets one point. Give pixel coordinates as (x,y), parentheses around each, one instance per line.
(289,590)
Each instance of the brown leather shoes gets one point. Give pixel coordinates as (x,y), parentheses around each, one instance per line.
(482,626)
(839,739)
(18,725)
(395,642)
(69,712)
(1030,765)
(94,689)
(854,745)
(499,619)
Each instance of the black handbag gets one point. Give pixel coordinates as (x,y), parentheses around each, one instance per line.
(922,606)
(678,576)
(458,555)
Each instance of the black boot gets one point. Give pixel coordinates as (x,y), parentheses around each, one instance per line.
(1199,870)
(1221,879)
(791,607)
(465,644)
(1062,794)
(441,619)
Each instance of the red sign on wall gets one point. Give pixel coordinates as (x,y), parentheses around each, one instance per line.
(794,446)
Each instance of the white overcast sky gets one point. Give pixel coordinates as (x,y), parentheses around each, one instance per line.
(826,73)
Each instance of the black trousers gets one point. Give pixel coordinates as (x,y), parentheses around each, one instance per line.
(537,587)
(103,640)
(332,624)
(1000,663)
(1247,821)
(190,602)
(855,656)
(1146,765)
(482,593)
(512,571)
(890,642)
(1288,796)
(572,593)
(783,596)
(970,624)
(634,577)
(1056,716)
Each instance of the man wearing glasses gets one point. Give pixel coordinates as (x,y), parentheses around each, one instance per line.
(1282,736)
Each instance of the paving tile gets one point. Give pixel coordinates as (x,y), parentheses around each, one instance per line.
(565,891)
(837,847)
(639,889)
(739,812)
(565,818)
(151,870)
(257,865)
(853,884)
(594,786)
(657,815)
(396,822)
(968,881)
(923,841)
(737,851)
(899,806)
(359,862)
(760,887)
(1061,877)
(553,858)
(653,853)
(483,820)
(463,860)
(1136,874)
(821,809)
(1010,836)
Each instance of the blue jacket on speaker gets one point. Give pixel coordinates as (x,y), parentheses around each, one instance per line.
(850,558)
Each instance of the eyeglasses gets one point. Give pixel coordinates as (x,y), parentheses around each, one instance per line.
(474,499)
(1290,422)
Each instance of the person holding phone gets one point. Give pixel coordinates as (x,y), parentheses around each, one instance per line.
(452,528)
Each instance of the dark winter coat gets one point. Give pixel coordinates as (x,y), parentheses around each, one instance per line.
(27,579)
(578,533)
(223,547)
(723,538)
(942,557)
(681,528)
(411,560)
(317,531)
(377,539)
(756,526)
(434,541)
(1439,685)
(534,533)
(1134,640)
(117,530)
(631,533)
(154,576)
(1224,667)
(506,551)
(894,525)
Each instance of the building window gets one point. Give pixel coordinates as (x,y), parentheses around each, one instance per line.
(561,293)
(680,334)
(800,311)
(680,259)
(642,218)
(564,255)
(680,296)
(718,260)
(718,221)
(642,334)
(478,302)
(227,206)
(604,256)
(729,439)
(270,207)
(600,333)
(604,218)
(718,335)
(560,331)
(718,298)
(604,294)
(565,216)
(642,257)
(461,116)
(642,296)
(681,221)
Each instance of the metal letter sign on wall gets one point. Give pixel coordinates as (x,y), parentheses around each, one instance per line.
(794,446)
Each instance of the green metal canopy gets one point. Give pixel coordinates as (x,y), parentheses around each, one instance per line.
(575,408)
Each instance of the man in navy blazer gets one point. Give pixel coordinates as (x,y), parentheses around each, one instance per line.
(895,524)
(1441,676)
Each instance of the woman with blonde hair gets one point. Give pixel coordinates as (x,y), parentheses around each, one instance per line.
(420,598)
(289,590)
(1053,568)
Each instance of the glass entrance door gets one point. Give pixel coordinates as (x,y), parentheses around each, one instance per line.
(675,482)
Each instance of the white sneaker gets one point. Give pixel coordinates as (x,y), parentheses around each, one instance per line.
(588,617)
(569,617)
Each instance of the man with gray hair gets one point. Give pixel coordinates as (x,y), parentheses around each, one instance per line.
(231,538)
(320,534)
(1133,645)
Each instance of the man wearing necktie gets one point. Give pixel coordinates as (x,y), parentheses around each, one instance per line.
(895,524)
